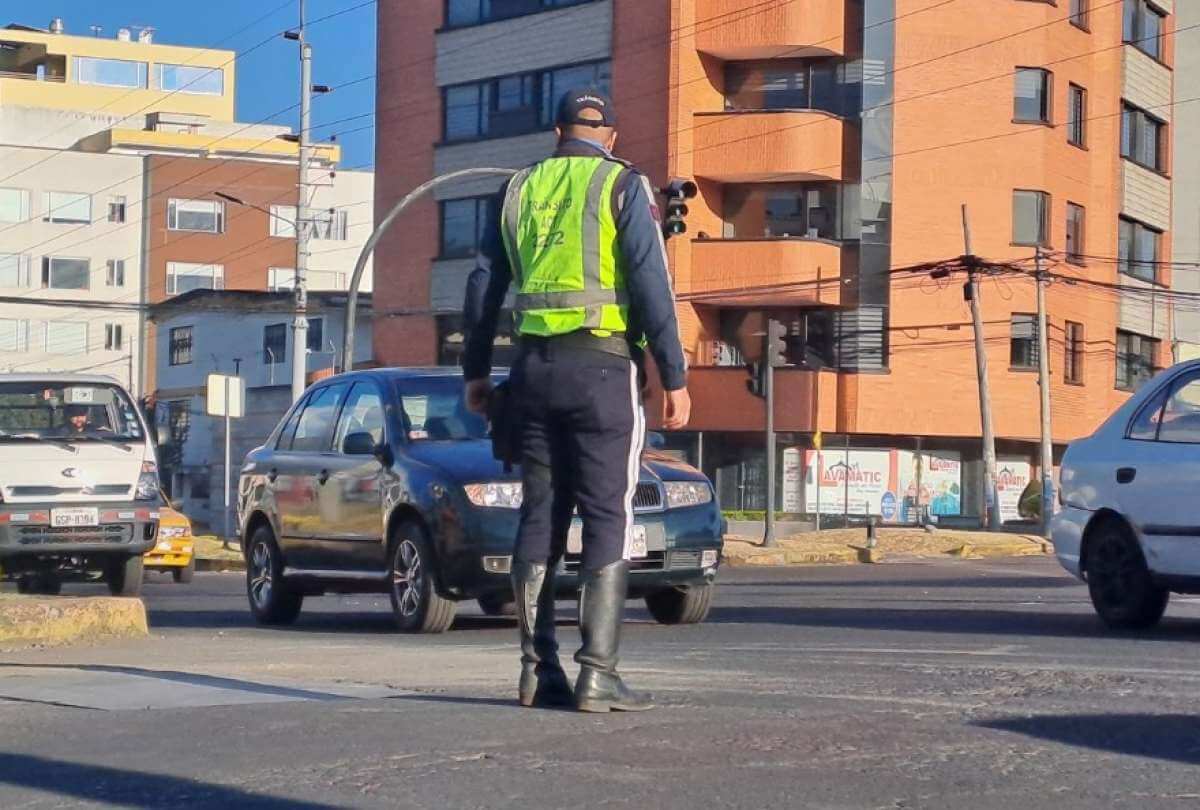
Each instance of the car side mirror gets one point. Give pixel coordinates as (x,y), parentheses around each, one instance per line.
(655,440)
(359,444)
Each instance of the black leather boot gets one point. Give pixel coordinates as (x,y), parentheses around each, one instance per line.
(543,682)
(601,610)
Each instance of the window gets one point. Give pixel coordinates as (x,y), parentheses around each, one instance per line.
(1075,233)
(189,79)
(283,221)
(1077,116)
(462,226)
(316,335)
(1142,138)
(314,431)
(289,428)
(183,277)
(1023,342)
(1138,250)
(275,344)
(1137,357)
(68,207)
(1079,13)
(1180,422)
(116,209)
(1031,100)
(363,413)
(14,335)
(113,337)
(204,216)
(516,104)
(280,279)
(110,72)
(783,210)
(474,12)
(115,275)
(1143,27)
(181,346)
(14,205)
(66,337)
(813,84)
(329,223)
(1031,215)
(179,420)
(66,274)
(1073,353)
(14,270)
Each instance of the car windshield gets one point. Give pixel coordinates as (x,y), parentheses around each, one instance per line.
(72,411)
(434,410)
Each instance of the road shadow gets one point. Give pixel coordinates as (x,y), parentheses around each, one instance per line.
(942,618)
(461,700)
(124,788)
(1033,582)
(1171,737)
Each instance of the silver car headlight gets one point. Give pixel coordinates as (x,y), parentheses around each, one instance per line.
(687,493)
(147,484)
(495,494)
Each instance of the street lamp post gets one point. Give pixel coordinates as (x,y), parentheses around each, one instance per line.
(382,228)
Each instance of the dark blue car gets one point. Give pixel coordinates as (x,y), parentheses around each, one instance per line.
(382,481)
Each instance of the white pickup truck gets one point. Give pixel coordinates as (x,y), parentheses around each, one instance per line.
(79,489)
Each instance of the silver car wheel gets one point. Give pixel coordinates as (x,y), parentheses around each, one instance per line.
(260,574)
(408,577)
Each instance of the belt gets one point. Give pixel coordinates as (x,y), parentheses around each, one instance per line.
(612,344)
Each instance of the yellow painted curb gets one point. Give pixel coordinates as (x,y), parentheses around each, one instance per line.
(1002,550)
(59,620)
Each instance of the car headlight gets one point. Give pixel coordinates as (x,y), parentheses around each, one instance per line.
(496,495)
(147,485)
(687,493)
(172,531)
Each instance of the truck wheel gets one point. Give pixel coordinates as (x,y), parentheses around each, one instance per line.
(271,600)
(497,605)
(687,604)
(184,575)
(39,584)
(416,605)
(1119,582)
(124,576)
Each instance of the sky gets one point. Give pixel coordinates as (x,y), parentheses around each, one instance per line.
(268,78)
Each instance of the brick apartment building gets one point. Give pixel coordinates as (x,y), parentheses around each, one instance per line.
(833,142)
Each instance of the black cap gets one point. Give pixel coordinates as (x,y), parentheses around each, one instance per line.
(578,99)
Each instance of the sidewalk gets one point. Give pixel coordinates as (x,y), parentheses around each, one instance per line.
(846,546)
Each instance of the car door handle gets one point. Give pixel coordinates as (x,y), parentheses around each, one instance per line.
(272,475)
(323,477)
(1125,475)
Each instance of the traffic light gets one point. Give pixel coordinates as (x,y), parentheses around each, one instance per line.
(678,192)
(757,384)
(775,350)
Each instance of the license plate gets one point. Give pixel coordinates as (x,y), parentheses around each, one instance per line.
(637,545)
(68,518)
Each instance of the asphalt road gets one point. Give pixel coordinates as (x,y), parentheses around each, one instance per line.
(914,685)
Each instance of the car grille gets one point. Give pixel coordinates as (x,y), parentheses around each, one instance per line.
(41,535)
(685,559)
(647,497)
(50,492)
(654,561)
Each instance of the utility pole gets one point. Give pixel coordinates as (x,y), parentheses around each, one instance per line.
(300,325)
(1047,463)
(769,385)
(991,502)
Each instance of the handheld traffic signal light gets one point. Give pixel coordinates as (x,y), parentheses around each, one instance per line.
(776,348)
(757,384)
(678,191)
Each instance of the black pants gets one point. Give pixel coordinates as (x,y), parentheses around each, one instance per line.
(582,433)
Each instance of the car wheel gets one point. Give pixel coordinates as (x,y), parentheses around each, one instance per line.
(271,600)
(498,605)
(416,605)
(184,575)
(1119,582)
(680,605)
(124,576)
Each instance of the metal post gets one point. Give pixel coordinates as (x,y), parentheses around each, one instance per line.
(769,533)
(300,325)
(1047,463)
(228,456)
(991,502)
(817,478)
(846,486)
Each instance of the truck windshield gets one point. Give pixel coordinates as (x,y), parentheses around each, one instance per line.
(434,410)
(71,411)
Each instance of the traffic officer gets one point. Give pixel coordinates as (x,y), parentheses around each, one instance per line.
(578,235)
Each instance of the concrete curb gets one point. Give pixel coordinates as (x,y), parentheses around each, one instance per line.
(739,554)
(1027,549)
(219,565)
(59,620)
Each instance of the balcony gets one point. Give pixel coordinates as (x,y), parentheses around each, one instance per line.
(727,29)
(812,268)
(769,145)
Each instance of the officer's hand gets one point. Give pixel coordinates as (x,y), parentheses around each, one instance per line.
(478,393)
(678,409)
